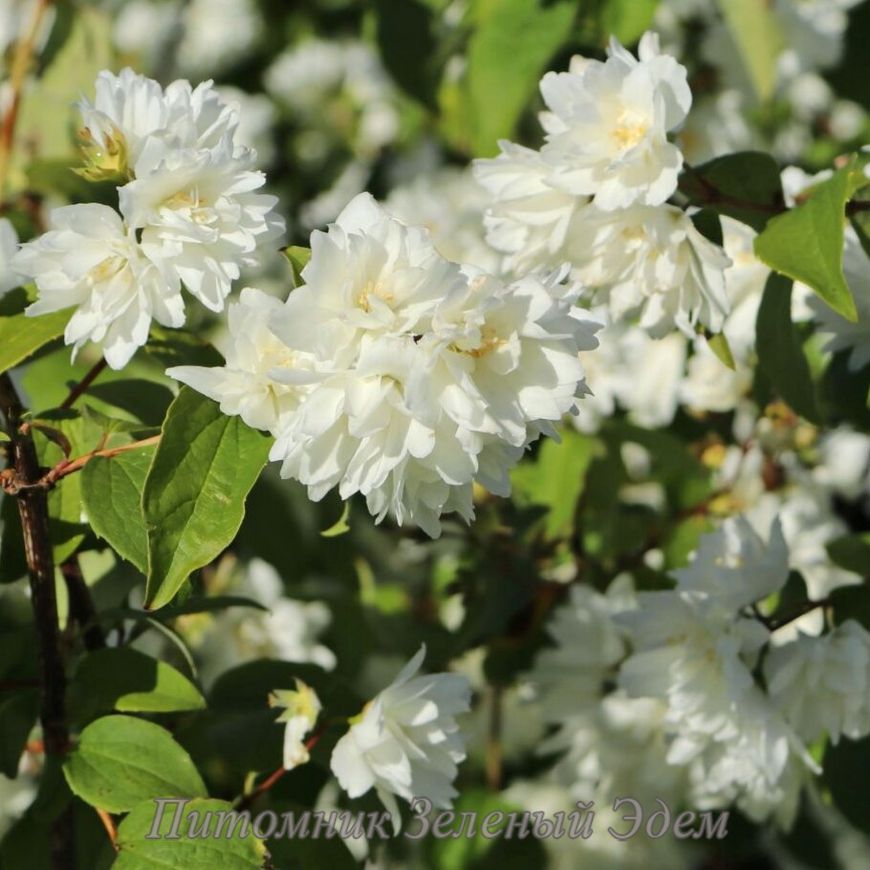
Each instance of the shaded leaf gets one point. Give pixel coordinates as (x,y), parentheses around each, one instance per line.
(121,761)
(780,355)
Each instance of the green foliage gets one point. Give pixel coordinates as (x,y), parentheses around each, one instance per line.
(298,258)
(780,354)
(627,20)
(129,681)
(121,761)
(555,480)
(744,186)
(229,852)
(852,552)
(112,497)
(758,37)
(17,717)
(194,494)
(806,243)
(511,44)
(407,42)
(22,336)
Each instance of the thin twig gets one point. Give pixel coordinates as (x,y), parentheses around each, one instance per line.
(33,511)
(13,484)
(83,384)
(246,800)
(24,52)
(802,610)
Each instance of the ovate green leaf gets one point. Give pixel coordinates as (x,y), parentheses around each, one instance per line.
(194,494)
(112,495)
(121,761)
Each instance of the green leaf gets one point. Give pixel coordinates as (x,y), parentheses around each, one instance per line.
(18,714)
(745,186)
(112,496)
(780,355)
(758,37)
(21,336)
(121,761)
(806,243)
(555,479)
(627,20)
(4,436)
(136,851)
(851,552)
(406,39)
(298,258)
(129,681)
(512,45)
(719,345)
(194,494)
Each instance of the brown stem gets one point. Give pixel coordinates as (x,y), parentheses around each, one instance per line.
(83,384)
(493,752)
(24,52)
(245,801)
(81,607)
(33,511)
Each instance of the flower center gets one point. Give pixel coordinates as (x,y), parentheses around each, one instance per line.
(377,290)
(629,130)
(106,270)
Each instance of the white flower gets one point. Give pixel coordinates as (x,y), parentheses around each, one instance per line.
(694,649)
(433,376)
(130,111)
(651,261)
(91,260)
(528,218)
(608,123)
(709,385)
(821,683)
(245,386)
(301,709)
(406,741)
(449,203)
(9,278)
(199,214)
(842,334)
(289,629)
(588,645)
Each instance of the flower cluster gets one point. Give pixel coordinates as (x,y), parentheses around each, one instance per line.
(690,683)
(595,194)
(400,375)
(189,215)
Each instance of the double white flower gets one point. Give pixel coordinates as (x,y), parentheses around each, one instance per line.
(408,377)
(595,194)
(189,215)
(406,741)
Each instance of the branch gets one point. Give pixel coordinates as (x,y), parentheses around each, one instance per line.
(805,608)
(83,384)
(33,511)
(14,484)
(24,52)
